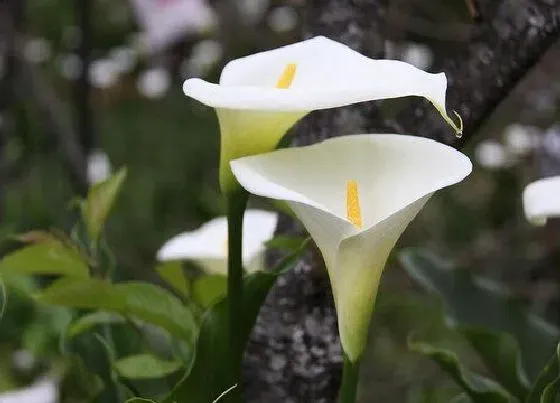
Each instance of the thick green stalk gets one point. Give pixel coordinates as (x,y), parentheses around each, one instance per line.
(350,375)
(236,204)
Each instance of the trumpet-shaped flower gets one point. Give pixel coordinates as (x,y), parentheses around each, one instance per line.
(207,245)
(541,200)
(355,195)
(261,96)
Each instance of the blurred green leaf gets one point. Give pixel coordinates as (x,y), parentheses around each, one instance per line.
(49,257)
(480,303)
(172,273)
(100,199)
(79,384)
(88,321)
(546,388)
(139,400)
(285,243)
(500,354)
(207,290)
(210,374)
(478,388)
(145,366)
(463,398)
(145,301)
(115,390)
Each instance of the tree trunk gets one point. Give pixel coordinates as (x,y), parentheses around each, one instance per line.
(294,354)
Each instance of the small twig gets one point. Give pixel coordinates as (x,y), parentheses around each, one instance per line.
(225,393)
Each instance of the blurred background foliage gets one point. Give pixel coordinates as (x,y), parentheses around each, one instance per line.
(141,120)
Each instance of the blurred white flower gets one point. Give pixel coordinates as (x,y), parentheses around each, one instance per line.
(23,360)
(37,50)
(69,66)
(551,140)
(541,200)
(154,83)
(208,247)
(519,139)
(43,391)
(491,155)
(283,19)
(98,167)
(124,57)
(164,22)
(204,55)
(418,55)
(252,11)
(103,73)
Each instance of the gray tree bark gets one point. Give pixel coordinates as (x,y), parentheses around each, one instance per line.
(294,354)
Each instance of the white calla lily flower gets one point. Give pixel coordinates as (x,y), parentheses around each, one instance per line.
(541,200)
(42,391)
(207,245)
(261,96)
(355,195)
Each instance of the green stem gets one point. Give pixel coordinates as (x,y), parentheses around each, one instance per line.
(236,204)
(350,375)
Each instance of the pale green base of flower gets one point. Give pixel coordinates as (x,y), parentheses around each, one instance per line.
(245,133)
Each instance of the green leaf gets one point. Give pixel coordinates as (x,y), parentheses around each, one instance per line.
(500,354)
(286,243)
(88,321)
(49,257)
(145,366)
(172,273)
(139,400)
(210,374)
(144,301)
(478,388)
(476,302)
(207,290)
(462,398)
(100,199)
(547,386)
(78,383)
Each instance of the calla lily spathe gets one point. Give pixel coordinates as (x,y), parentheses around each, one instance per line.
(261,96)
(541,200)
(355,195)
(207,245)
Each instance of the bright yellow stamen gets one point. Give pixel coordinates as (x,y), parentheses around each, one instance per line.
(353,211)
(285,80)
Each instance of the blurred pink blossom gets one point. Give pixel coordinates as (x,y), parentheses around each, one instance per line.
(166,21)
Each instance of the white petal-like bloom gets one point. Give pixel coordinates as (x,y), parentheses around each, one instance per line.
(355,195)
(541,200)
(165,22)
(208,245)
(261,96)
(98,167)
(492,155)
(43,391)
